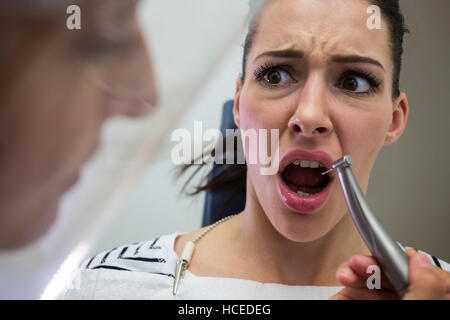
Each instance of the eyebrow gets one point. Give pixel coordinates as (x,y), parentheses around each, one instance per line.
(289,53)
(356,58)
(299,54)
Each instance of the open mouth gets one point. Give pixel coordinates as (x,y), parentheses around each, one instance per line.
(305,177)
(301,185)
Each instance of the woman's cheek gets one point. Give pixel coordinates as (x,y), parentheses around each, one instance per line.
(362,136)
(262,117)
(362,129)
(257,123)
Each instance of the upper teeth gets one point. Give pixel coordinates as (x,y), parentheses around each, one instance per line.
(307,164)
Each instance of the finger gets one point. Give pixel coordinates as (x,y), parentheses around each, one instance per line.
(360,265)
(411,252)
(441,272)
(348,278)
(353,276)
(425,282)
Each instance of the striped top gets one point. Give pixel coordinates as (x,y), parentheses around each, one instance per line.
(152,265)
(154,256)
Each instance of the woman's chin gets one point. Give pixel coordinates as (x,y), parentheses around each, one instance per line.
(306,227)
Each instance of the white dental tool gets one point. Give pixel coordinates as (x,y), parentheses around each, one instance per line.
(391,258)
(188,250)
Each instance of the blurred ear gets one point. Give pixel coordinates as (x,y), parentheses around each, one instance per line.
(399,119)
(237,95)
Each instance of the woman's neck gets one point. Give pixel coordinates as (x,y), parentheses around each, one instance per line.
(278,259)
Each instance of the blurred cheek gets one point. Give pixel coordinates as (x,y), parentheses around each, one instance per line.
(84,119)
(65,127)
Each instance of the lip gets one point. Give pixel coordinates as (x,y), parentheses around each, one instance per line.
(291,199)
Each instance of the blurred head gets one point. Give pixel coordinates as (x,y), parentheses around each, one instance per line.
(57,88)
(329,84)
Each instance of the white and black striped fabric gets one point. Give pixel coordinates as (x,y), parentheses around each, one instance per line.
(154,256)
(158,256)
(435,261)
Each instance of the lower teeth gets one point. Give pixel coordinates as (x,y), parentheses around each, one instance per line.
(312,190)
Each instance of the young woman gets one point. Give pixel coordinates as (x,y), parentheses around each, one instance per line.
(330,85)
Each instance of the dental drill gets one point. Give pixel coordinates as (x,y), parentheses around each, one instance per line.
(388,254)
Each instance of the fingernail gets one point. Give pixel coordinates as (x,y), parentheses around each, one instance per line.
(423,261)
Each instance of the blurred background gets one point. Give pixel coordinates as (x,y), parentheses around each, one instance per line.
(408,189)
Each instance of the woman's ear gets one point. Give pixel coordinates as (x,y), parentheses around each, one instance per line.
(237,95)
(399,119)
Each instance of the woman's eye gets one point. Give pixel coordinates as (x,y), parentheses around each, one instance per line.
(356,84)
(276,77)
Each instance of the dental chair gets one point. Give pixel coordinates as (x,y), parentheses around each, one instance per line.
(224,201)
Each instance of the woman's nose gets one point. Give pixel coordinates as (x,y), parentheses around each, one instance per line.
(311,118)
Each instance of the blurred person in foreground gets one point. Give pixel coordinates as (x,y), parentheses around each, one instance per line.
(57,88)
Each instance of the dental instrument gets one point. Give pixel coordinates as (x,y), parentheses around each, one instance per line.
(386,251)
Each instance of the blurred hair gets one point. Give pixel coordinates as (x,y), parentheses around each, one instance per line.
(102,32)
(42,9)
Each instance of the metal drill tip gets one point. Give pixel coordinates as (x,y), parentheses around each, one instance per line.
(345,161)
(327,172)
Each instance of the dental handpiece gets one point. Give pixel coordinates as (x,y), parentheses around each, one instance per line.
(387,252)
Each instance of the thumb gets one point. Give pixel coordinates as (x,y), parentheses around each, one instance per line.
(424,282)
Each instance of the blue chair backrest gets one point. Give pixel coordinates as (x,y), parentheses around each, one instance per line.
(217,198)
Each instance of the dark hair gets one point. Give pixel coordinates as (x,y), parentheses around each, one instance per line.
(221,178)
(233,177)
(390,10)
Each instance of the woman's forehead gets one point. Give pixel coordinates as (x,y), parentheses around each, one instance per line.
(321,28)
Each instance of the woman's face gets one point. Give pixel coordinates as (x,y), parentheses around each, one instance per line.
(63,85)
(320,76)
